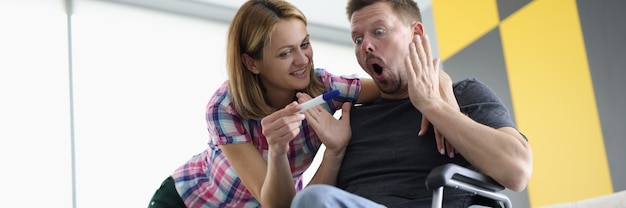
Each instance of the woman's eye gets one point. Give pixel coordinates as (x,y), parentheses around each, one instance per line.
(286,53)
(305,44)
(358,40)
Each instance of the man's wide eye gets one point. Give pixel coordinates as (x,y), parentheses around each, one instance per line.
(379,31)
(358,40)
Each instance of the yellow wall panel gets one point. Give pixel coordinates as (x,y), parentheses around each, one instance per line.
(458,23)
(554,102)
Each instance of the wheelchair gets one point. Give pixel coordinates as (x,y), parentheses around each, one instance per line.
(458,177)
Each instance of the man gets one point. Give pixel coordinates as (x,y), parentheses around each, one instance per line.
(389,156)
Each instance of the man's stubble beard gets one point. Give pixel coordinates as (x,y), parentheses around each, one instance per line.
(395,85)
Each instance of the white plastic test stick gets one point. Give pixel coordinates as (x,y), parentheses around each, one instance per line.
(318,100)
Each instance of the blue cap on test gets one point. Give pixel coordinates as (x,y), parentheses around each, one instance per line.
(331,94)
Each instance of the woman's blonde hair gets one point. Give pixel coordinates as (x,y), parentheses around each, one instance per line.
(251,28)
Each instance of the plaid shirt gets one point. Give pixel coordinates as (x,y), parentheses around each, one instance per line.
(208,180)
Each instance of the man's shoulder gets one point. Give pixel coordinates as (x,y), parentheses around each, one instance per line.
(470,85)
(470,81)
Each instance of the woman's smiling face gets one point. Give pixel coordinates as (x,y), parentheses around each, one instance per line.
(287,57)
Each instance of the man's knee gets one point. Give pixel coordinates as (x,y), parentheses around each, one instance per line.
(317,195)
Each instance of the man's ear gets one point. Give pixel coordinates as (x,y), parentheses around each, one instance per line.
(418,28)
(249,63)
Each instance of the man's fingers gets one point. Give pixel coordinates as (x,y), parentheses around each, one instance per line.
(450,149)
(409,64)
(345,110)
(424,127)
(422,56)
(429,52)
(436,62)
(440,142)
(443,145)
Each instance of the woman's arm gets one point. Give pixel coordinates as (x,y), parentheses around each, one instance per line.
(262,178)
(369,91)
(271,181)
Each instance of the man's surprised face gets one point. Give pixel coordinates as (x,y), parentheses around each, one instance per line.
(381,43)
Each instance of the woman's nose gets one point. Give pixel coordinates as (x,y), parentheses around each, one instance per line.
(301,58)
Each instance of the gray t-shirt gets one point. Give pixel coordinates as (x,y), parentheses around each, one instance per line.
(387,162)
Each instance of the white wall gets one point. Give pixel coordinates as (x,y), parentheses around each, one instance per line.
(141,79)
(35,154)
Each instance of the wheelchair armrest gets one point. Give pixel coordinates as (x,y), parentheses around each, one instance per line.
(442,175)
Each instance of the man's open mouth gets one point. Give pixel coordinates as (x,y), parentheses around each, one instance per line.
(377,69)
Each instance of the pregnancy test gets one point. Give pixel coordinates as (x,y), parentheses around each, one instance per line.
(318,100)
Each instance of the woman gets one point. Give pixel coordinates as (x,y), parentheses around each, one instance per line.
(260,145)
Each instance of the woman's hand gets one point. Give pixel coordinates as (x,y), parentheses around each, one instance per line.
(334,133)
(281,127)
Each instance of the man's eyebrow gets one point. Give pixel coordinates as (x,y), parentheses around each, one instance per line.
(353,33)
(377,22)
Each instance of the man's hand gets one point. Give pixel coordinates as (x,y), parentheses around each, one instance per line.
(423,74)
(445,88)
(426,79)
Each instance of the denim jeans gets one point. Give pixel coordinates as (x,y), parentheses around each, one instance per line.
(319,196)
